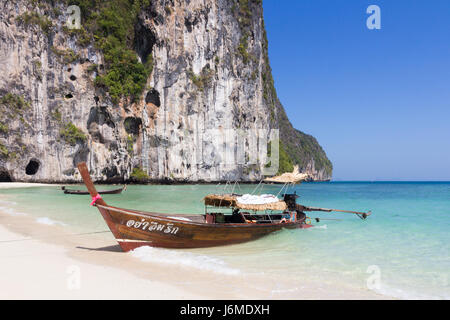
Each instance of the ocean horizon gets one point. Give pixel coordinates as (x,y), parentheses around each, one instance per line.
(387,181)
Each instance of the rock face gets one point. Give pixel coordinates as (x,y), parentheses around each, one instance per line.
(207,110)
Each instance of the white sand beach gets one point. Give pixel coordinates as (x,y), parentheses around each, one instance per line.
(39,269)
(34,270)
(66,266)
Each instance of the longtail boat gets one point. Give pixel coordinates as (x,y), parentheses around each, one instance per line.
(82,192)
(134,228)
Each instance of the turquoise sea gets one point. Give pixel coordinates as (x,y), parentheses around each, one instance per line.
(402,250)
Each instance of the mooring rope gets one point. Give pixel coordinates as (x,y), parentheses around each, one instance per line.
(257,187)
(281,189)
(37,239)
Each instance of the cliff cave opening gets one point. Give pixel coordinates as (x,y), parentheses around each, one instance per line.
(73,78)
(132,125)
(144,40)
(99,116)
(4,175)
(190,21)
(32,167)
(153,97)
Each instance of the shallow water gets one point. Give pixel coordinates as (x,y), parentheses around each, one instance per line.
(406,241)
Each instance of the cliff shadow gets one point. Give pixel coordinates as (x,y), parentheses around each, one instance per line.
(5,175)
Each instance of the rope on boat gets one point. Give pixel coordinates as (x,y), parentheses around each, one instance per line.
(257,187)
(228,183)
(262,187)
(239,186)
(143,214)
(217,187)
(288,186)
(38,239)
(234,187)
(281,189)
(94,199)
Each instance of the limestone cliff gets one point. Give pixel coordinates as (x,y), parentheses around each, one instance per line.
(145,89)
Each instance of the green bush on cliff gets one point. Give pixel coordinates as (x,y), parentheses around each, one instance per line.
(110,25)
(139,175)
(242,10)
(14,102)
(12,106)
(203,79)
(130,145)
(56,115)
(242,49)
(3,128)
(285,163)
(72,134)
(269,91)
(310,148)
(34,18)
(66,55)
(126,76)
(4,153)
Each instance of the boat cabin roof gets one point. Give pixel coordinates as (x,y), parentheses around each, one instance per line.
(230,201)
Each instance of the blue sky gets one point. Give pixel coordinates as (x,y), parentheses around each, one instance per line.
(378,101)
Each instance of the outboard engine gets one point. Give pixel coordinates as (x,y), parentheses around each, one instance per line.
(291,200)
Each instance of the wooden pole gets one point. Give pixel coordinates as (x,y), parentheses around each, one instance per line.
(82,167)
(364,215)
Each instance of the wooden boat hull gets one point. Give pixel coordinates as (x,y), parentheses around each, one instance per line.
(81,192)
(133,229)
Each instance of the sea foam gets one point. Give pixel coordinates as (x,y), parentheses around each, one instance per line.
(184,259)
(406,295)
(50,222)
(5,206)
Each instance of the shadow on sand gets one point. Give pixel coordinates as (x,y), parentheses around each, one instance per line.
(115,248)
